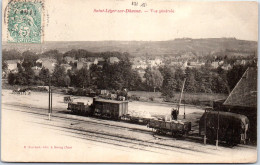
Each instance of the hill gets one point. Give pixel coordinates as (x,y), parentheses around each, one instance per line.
(137,48)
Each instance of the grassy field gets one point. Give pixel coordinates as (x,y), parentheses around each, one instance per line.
(189,98)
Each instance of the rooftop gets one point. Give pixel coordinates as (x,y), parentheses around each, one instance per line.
(245,92)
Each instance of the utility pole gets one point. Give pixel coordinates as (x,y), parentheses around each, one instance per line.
(50,100)
(205,127)
(49,112)
(184,117)
(217,131)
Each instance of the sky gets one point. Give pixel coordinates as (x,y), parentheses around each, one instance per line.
(67,20)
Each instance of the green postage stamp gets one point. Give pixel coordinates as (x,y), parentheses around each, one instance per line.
(25,20)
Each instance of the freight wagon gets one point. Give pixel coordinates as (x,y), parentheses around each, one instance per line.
(110,109)
(80,108)
(224,126)
(173,127)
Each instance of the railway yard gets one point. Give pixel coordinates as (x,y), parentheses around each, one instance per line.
(80,138)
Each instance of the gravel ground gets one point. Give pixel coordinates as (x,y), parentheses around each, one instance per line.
(135,108)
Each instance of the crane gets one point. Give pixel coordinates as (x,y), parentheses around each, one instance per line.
(175,112)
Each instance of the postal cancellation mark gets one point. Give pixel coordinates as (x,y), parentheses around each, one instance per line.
(25,19)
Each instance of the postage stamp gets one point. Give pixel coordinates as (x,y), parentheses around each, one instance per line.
(25,20)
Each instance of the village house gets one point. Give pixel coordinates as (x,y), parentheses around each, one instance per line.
(66,67)
(226,67)
(151,63)
(48,63)
(158,62)
(195,64)
(87,62)
(98,60)
(240,62)
(36,70)
(216,64)
(82,59)
(69,59)
(139,65)
(176,63)
(82,64)
(12,64)
(113,60)
(141,73)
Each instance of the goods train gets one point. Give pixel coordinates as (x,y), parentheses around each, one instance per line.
(229,127)
(118,110)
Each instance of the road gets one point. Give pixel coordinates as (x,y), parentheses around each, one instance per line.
(28,135)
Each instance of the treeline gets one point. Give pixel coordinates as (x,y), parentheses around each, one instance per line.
(116,76)
(109,76)
(77,54)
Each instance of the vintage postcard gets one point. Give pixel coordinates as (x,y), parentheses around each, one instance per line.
(120,81)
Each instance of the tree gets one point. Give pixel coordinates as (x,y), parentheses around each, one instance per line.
(169,83)
(82,77)
(135,82)
(11,55)
(29,76)
(4,65)
(54,54)
(29,59)
(44,75)
(11,78)
(234,75)
(58,76)
(179,77)
(67,81)
(154,78)
(117,75)
(190,84)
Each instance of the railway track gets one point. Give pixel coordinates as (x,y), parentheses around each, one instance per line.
(76,126)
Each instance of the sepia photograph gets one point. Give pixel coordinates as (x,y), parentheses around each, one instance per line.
(120,81)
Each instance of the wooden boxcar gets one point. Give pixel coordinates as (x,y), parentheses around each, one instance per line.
(232,128)
(111,109)
(80,108)
(174,127)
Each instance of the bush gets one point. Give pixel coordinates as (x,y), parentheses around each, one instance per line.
(38,89)
(134,97)
(39,82)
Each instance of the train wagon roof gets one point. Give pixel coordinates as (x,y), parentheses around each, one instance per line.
(230,115)
(110,101)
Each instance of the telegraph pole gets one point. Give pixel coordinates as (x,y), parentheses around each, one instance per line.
(49,111)
(205,127)
(184,107)
(50,100)
(217,131)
